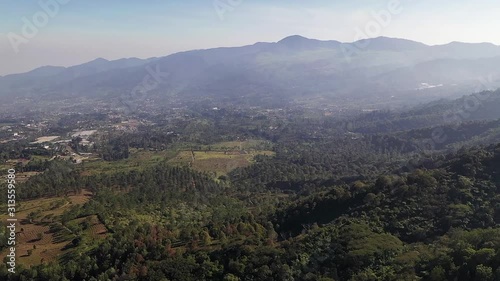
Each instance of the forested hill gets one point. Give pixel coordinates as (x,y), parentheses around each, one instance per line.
(430,224)
(473,107)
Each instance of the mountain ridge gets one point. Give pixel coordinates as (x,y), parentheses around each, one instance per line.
(294,68)
(284,40)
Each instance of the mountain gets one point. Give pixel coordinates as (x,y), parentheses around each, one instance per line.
(49,77)
(44,71)
(298,42)
(461,50)
(478,107)
(390,44)
(382,70)
(447,71)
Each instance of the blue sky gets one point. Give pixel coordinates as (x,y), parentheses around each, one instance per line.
(82,30)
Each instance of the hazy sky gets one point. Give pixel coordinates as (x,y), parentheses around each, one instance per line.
(82,30)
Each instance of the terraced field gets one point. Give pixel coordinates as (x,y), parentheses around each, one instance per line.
(22,177)
(97,229)
(36,242)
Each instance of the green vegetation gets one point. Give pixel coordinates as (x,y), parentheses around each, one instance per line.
(250,196)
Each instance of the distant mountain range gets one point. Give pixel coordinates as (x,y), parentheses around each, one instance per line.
(293,68)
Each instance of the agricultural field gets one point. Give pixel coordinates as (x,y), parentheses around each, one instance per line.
(92,227)
(23,177)
(4,167)
(36,242)
(45,139)
(247,145)
(139,159)
(221,158)
(13,162)
(10,164)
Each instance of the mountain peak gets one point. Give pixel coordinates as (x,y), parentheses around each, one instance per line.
(99,60)
(294,38)
(301,42)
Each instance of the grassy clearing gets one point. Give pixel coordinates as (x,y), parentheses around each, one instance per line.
(220,159)
(45,139)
